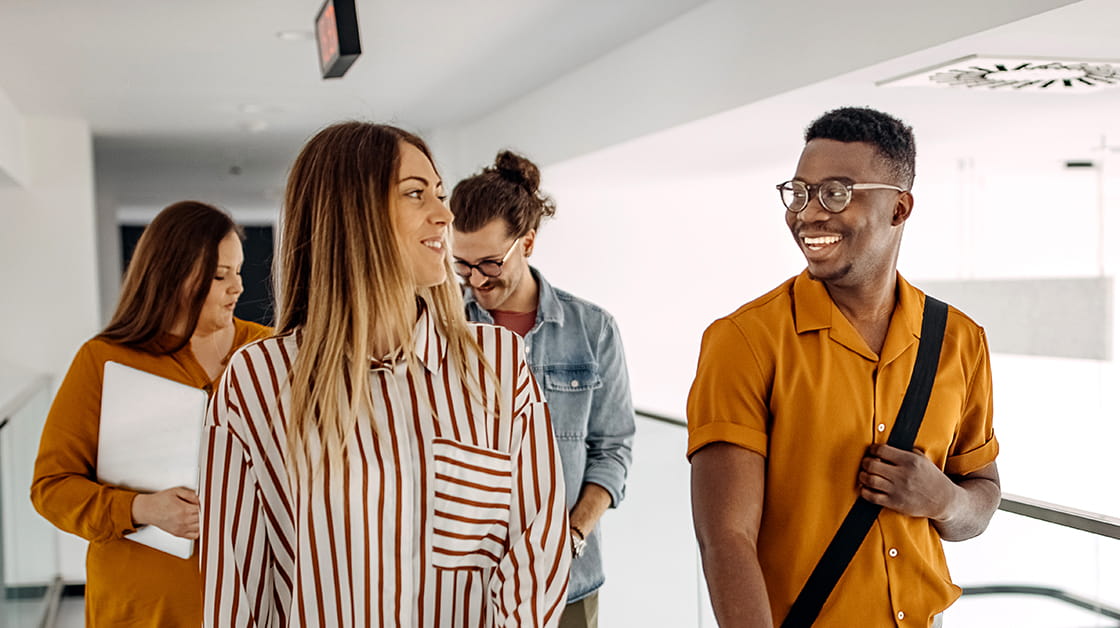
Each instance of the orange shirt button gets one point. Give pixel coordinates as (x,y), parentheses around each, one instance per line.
(893,552)
(881,427)
(901,615)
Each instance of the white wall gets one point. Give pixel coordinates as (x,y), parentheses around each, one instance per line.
(47,271)
(47,247)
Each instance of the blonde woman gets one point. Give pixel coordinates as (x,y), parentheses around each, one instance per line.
(382,462)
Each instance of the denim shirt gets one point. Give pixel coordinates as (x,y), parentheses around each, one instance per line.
(575,352)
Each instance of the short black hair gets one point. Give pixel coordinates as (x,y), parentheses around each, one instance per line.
(891,137)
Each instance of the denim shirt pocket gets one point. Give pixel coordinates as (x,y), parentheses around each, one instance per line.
(571,378)
(569,389)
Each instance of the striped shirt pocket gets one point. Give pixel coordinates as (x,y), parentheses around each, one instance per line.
(473,488)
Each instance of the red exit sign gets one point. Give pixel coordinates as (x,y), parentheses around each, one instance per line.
(336,30)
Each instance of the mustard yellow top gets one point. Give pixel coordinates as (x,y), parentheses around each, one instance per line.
(127,584)
(789,377)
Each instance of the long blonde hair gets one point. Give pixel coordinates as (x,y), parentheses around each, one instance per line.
(341,275)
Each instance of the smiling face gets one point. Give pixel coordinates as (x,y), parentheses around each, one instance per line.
(225,287)
(420,217)
(512,291)
(859,245)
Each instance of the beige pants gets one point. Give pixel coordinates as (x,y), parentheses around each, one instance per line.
(582,614)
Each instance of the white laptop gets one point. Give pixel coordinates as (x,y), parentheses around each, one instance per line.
(151,430)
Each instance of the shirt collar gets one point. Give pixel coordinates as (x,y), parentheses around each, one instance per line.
(814,310)
(429,345)
(548,305)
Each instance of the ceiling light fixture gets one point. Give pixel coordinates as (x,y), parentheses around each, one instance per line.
(1042,74)
(253,108)
(253,126)
(295,35)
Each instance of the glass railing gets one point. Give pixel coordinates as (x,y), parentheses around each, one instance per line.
(28,544)
(1038,564)
(650,555)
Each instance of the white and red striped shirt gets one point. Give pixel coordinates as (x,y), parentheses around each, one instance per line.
(448,514)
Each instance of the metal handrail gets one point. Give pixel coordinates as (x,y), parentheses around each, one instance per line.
(663,418)
(1079,601)
(53,599)
(1083,520)
(17,401)
(1095,523)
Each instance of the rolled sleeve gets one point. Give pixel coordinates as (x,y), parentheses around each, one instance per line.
(726,432)
(972,461)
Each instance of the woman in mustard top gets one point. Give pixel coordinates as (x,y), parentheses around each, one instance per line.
(175,320)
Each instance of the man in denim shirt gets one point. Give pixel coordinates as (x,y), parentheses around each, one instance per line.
(574,350)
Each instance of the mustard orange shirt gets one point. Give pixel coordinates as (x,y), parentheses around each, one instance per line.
(789,377)
(127,584)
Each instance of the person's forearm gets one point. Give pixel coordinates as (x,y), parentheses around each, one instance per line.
(594,500)
(81,506)
(735,584)
(975,501)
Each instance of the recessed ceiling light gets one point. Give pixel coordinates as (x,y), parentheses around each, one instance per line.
(1044,74)
(253,126)
(295,35)
(256,108)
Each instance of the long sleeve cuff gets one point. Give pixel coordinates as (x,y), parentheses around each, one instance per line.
(121,511)
(610,475)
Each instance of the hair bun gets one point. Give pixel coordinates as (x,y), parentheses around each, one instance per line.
(519,170)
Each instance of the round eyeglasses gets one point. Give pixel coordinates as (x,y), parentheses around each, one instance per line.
(486,268)
(834,194)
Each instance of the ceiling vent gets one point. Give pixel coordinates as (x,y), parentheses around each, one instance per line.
(1036,74)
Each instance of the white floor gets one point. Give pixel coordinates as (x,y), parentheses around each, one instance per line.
(22,613)
(71,613)
(29,613)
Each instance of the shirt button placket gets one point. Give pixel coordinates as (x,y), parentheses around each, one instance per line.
(891,568)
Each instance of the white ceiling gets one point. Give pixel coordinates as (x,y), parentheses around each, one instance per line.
(186,67)
(201,86)
(201,89)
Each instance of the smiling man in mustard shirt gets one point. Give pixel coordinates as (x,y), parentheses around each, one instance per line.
(797,391)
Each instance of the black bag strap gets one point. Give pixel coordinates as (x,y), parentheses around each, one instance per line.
(862,515)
